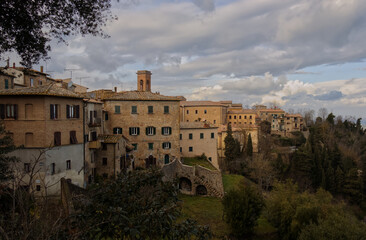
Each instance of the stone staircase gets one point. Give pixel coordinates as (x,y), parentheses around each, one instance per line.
(211,191)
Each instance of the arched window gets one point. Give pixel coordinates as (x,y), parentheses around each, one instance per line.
(141,84)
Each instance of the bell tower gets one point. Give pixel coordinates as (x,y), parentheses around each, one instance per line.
(144,81)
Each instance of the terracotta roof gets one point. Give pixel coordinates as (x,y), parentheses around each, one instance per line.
(29,70)
(44,90)
(271,110)
(110,138)
(201,103)
(139,96)
(247,111)
(191,125)
(6,74)
(91,100)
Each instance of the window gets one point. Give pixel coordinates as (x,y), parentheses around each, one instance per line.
(73,139)
(68,164)
(40,82)
(28,111)
(235,117)
(86,138)
(72,111)
(26,167)
(106,116)
(54,110)
(212,135)
(94,136)
(134,131)
(196,111)
(180,136)
(190,136)
(187,111)
(250,117)
(28,139)
(57,138)
(167,145)
(104,146)
(201,135)
(38,188)
(166,109)
(166,130)
(205,111)
(134,146)
(117,130)
(104,161)
(180,149)
(214,121)
(117,109)
(191,149)
(6,84)
(230,117)
(150,109)
(210,159)
(134,109)
(239,116)
(31,82)
(151,146)
(9,111)
(150,131)
(53,168)
(245,117)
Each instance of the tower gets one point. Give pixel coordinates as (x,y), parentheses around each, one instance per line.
(144,81)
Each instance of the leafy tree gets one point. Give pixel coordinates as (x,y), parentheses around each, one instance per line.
(6,146)
(333,227)
(230,145)
(242,208)
(352,186)
(137,205)
(27,27)
(249,150)
(339,180)
(330,118)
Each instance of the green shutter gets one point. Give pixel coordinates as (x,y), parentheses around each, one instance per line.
(138,131)
(130,131)
(170,130)
(147,131)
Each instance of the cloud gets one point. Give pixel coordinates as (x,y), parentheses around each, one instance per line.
(330,96)
(205,5)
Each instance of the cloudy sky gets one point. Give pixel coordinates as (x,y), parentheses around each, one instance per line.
(299,54)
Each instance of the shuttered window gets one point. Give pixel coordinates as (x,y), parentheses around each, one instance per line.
(134,131)
(8,111)
(166,130)
(57,139)
(167,145)
(150,131)
(54,109)
(117,130)
(73,139)
(72,111)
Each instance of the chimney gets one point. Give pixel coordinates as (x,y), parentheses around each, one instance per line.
(13,64)
(41,69)
(144,81)
(115,89)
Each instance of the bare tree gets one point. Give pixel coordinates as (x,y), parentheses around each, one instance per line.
(308,115)
(262,171)
(323,113)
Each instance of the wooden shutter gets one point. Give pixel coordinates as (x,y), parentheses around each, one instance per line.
(67,111)
(138,131)
(154,130)
(130,131)
(115,130)
(147,130)
(162,130)
(73,139)
(77,110)
(2,111)
(57,138)
(15,111)
(51,111)
(95,114)
(56,111)
(91,117)
(170,130)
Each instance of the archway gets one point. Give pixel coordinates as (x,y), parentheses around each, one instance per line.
(166,158)
(185,184)
(201,190)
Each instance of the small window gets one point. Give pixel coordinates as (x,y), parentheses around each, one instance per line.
(57,138)
(150,131)
(117,109)
(104,146)
(245,117)
(150,109)
(117,130)
(54,111)
(134,131)
(94,136)
(68,164)
(166,109)
(28,139)
(6,84)
(180,136)
(201,135)
(72,111)
(235,117)
(9,111)
(210,159)
(106,116)
(191,149)
(166,130)
(239,116)
(26,167)
(214,121)
(230,117)
(196,111)
(105,175)
(250,117)
(53,168)
(40,82)
(31,82)
(38,188)
(134,109)
(212,135)
(73,139)
(180,149)
(205,111)
(167,145)
(134,146)
(151,146)
(190,136)
(104,161)
(187,111)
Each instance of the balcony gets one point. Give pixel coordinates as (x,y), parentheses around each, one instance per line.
(95,122)
(95,144)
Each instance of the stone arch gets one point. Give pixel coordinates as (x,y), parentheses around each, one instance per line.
(201,190)
(185,184)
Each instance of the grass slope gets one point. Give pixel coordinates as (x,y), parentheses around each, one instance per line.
(196,161)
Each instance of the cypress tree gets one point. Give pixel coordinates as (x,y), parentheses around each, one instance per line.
(229,145)
(352,186)
(339,180)
(330,179)
(250,146)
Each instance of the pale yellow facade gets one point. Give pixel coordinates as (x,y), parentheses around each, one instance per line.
(196,111)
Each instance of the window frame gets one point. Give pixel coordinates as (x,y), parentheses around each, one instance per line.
(166,109)
(68,164)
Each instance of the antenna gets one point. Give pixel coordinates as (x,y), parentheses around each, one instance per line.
(71,70)
(81,78)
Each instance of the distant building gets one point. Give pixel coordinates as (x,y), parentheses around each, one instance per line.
(197,138)
(241,117)
(209,111)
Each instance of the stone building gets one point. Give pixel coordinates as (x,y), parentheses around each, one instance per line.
(6,80)
(242,117)
(149,120)
(197,138)
(48,122)
(26,77)
(293,122)
(209,111)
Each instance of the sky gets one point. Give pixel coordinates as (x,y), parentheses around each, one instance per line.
(295,54)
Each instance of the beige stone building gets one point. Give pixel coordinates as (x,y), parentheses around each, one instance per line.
(197,138)
(209,111)
(242,117)
(48,122)
(25,77)
(6,80)
(149,120)
(293,122)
